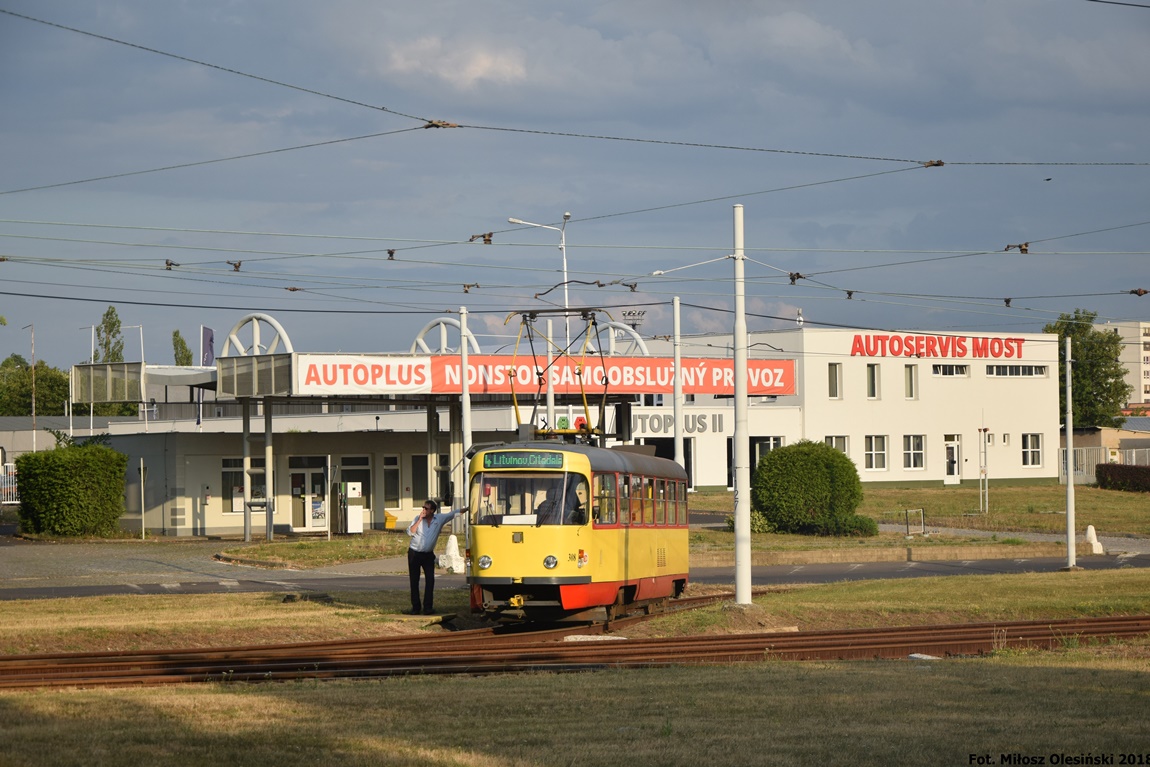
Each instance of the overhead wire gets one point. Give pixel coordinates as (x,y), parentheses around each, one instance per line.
(197,163)
(229,70)
(915,164)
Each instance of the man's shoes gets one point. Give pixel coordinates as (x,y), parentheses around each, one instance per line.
(429,612)
(411,612)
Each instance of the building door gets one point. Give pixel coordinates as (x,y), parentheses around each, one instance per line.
(665,448)
(953,460)
(309,508)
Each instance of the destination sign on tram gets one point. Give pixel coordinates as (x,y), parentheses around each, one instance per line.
(522,459)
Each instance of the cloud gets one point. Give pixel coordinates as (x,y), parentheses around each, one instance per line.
(460,64)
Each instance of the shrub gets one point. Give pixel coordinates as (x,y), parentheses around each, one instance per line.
(1116,476)
(809,488)
(72,490)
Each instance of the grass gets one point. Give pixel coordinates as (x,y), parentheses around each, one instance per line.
(1077,699)
(1020,508)
(317,552)
(777,713)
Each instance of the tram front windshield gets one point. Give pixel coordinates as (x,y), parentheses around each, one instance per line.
(545,498)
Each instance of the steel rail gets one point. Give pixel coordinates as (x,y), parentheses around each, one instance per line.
(485,653)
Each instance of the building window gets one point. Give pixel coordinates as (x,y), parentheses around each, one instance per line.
(838,443)
(1016,371)
(232,483)
(835,380)
(913,451)
(950,370)
(874,447)
(872,381)
(910,381)
(1031,449)
(760,446)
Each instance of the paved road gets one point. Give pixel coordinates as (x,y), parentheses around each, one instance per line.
(34,570)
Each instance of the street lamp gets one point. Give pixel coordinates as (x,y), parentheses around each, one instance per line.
(566,302)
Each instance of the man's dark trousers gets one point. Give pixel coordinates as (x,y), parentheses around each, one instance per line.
(416,561)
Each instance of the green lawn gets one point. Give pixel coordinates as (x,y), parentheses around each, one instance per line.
(1024,508)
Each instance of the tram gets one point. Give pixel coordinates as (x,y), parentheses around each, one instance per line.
(574,532)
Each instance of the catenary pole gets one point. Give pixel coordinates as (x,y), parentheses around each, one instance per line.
(1071,560)
(677,404)
(742,444)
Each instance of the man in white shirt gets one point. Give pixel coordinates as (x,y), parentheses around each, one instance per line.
(424,531)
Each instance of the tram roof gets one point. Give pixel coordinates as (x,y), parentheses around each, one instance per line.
(623,458)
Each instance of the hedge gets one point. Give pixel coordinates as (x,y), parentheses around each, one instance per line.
(72,490)
(1117,476)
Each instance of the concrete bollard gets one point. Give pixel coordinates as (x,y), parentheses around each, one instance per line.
(452,560)
(1092,540)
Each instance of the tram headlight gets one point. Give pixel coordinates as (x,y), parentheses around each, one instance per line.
(484,562)
(550,562)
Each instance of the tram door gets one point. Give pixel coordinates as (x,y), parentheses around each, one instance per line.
(953,460)
(309,507)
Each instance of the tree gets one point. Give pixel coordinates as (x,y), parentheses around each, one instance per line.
(16,388)
(110,348)
(1098,377)
(109,343)
(180,349)
(809,488)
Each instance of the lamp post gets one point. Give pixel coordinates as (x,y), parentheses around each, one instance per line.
(566,302)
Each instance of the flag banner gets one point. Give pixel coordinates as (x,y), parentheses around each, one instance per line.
(207,346)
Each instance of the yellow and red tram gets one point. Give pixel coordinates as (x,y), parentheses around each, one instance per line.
(568,531)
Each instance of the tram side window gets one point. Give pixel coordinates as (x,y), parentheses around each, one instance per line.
(625,498)
(648,501)
(660,502)
(672,502)
(680,492)
(605,511)
(638,499)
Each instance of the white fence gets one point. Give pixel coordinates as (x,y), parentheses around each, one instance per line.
(1087,458)
(9,493)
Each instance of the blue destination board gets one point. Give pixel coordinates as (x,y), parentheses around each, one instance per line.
(522,459)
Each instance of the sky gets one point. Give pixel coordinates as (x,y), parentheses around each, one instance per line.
(336,166)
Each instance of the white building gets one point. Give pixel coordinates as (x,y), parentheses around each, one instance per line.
(907,408)
(1135,357)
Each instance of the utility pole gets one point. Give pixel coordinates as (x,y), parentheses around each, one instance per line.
(1071,559)
(742,451)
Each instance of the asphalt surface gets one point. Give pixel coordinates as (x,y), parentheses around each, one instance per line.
(37,570)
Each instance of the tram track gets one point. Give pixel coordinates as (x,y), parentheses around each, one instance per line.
(487,651)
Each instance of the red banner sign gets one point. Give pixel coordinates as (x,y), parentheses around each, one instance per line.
(326,374)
